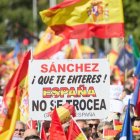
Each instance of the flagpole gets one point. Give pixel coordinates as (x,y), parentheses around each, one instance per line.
(31,53)
(79,128)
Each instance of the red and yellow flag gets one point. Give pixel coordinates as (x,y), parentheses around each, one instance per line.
(86,18)
(56,129)
(74,132)
(11,99)
(49,45)
(110,134)
(64,112)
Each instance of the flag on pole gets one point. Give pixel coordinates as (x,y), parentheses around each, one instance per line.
(136,98)
(86,18)
(56,129)
(136,95)
(49,45)
(74,132)
(126,133)
(11,99)
(64,112)
(125,60)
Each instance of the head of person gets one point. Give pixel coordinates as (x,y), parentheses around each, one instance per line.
(31,134)
(93,124)
(19,130)
(102,126)
(81,123)
(136,122)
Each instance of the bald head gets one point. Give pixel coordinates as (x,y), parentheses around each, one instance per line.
(30,132)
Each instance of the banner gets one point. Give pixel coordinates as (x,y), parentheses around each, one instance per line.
(83,83)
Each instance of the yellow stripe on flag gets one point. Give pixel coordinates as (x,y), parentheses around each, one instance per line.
(82,11)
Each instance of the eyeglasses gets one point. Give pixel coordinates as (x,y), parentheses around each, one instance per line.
(20,130)
(93,126)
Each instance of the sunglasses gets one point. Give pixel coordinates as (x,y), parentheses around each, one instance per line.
(93,126)
(20,130)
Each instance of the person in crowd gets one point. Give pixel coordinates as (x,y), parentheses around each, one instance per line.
(46,125)
(31,134)
(136,122)
(19,130)
(102,126)
(81,123)
(93,124)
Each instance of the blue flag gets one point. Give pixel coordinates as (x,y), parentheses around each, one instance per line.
(137,71)
(126,133)
(135,94)
(125,60)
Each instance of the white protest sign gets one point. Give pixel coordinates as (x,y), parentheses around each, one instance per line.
(116,106)
(83,83)
(115,91)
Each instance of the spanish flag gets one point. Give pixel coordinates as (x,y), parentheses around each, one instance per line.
(11,99)
(64,112)
(49,45)
(56,129)
(110,134)
(74,132)
(86,18)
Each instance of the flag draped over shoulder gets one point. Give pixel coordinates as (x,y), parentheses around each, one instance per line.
(49,45)
(11,99)
(74,132)
(56,129)
(86,18)
(126,133)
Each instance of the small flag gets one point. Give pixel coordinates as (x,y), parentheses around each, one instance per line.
(56,129)
(65,111)
(126,133)
(74,132)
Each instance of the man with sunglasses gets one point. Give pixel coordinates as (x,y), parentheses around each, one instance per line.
(19,130)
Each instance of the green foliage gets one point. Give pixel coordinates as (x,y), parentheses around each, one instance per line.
(16,18)
(132,19)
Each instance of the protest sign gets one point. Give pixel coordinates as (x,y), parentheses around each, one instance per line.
(83,83)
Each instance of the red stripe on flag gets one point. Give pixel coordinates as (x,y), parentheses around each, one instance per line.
(52,50)
(88,30)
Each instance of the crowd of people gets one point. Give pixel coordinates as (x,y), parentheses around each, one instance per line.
(93,128)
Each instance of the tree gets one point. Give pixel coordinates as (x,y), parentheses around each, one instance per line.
(132,19)
(16,18)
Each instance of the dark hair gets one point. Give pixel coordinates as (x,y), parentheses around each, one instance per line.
(137,119)
(32,137)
